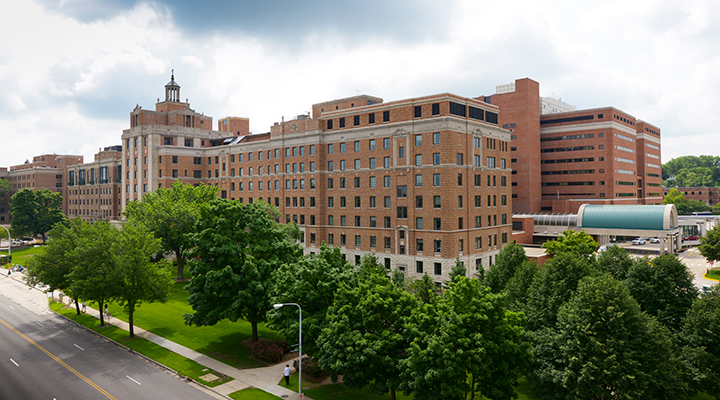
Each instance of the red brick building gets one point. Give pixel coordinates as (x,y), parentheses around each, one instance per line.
(708,195)
(94,188)
(568,157)
(417,181)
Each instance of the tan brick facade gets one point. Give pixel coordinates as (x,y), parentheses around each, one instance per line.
(94,188)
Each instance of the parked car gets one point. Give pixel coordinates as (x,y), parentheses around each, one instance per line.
(690,237)
(637,241)
(654,240)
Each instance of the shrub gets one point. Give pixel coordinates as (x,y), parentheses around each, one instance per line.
(270,352)
(310,367)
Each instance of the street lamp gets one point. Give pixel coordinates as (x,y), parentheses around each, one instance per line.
(277,306)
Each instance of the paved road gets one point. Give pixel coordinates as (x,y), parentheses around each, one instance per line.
(696,263)
(43,356)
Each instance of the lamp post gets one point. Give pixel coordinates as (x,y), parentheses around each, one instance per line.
(9,245)
(277,306)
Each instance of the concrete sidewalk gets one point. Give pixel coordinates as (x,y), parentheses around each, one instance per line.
(262,378)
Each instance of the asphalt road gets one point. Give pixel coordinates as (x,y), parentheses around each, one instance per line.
(48,357)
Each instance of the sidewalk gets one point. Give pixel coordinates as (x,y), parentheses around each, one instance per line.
(262,378)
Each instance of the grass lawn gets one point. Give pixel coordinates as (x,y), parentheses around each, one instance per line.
(182,365)
(252,394)
(713,274)
(21,256)
(221,341)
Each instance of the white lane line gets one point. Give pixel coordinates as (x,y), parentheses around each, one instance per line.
(79,347)
(13,361)
(39,324)
(12,307)
(127,376)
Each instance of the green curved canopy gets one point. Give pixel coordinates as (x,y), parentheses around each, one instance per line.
(649,217)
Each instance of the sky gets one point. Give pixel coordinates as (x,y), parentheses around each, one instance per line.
(71,71)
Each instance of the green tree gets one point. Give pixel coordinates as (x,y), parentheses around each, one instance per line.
(171,213)
(36,211)
(398,278)
(710,244)
(604,347)
(53,266)
(507,261)
(96,275)
(365,339)
(518,286)
(236,249)
(467,344)
(140,279)
(664,288)
(579,243)
(616,261)
(5,190)
(311,282)
(424,289)
(553,285)
(458,270)
(701,336)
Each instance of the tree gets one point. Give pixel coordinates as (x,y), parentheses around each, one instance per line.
(52,267)
(616,261)
(398,278)
(701,336)
(516,290)
(36,211)
(468,343)
(171,213)
(553,285)
(311,282)
(458,270)
(684,206)
(579,243)
(5,190)
(96,275)
(424,289)
(507,261)
(664,288)
(365,339)
(141,279)
(604,347)
(236,249)
(710,244)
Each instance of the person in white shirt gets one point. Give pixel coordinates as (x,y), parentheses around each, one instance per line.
(286,372)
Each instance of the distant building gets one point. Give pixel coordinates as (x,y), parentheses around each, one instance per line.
(417,181)
(708,195)
(94,188)
(562,158)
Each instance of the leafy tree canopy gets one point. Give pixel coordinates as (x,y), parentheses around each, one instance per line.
(36,211)
(616,261)
(507,261)
(171,213)
(710,244)
(701,335)
(692,171)
(578,243)
(5,190)
(236,249)
(683,205)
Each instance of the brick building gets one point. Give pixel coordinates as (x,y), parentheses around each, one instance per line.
(46,171)
(416,181)
(562,157)
(708,195)
(94,188)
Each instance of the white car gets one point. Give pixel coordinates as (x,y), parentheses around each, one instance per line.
(637,241)
(654,240)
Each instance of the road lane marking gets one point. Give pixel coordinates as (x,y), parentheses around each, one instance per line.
(133,380)
(79,347)
(39,324)
(12,307)
(13,361)
(59,361)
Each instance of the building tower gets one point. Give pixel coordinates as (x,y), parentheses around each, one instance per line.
(172,89)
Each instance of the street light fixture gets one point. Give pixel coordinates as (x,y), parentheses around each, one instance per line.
(280,305)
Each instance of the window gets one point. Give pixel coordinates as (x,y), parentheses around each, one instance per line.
(386,202)
(478,243)
(343,202)
(387,222)
(341,122)
(436,158)
(437,224)
(419,223)
(418,159)
(436,109)
(419,246)
(436,137)
(342,147)
(357,201)
(436,202)
(459,159)
(198,160)
(357,163)
(371,163)
(342,183)
(419,267)
(386,116)
(476,161)
(174,159)
(331,201)
(387,243)
(343,239)
(418,202)
(312,150)
(401,152)
(478,222)
(503,200)
(386,162)
(331,220)
(373,202)
(491,162)
(342,165)
(329,124)
(438,246)
(373,241)
(436,179)
(343,220)
(386,143)
(330,165)
(357,220)
(503,181)
(357,182)
(418,180)
(438,268)
(371,118)
(372,182)
(402,191)
(402,212)
(418,111)
(418,140)
(358,241)
(372,144)
(356,145)
(330,183)
(331,238)
(478,180)
(386,181)
(330,149)
(460,201)
(356,120)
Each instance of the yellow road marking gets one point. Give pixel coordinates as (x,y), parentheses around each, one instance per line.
(61,362)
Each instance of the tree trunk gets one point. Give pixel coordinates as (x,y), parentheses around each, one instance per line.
(77,306)
(180,262)
(472,388)
(131,311)
(102,313)
(392,394)
(254,325)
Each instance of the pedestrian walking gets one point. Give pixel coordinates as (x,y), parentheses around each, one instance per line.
(286,372)
(84,306)
(107,313)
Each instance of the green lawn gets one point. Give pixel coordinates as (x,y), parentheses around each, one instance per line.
(713,274)
(252,394)
(182,365)
(21,256)
(221,341)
